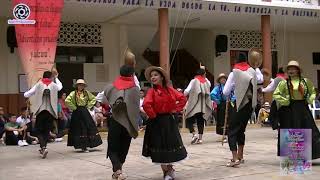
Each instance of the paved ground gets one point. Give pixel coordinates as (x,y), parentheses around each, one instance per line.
(206,161)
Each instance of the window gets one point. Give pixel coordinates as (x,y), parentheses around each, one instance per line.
(80,55)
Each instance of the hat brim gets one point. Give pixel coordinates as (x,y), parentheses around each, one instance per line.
(218,79)
(294,66)
(75,85)
(148,71)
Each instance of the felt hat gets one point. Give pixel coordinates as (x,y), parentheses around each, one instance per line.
(148,71)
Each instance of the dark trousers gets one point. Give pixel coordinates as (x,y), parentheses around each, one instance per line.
(237,126)
(12,139)
(198,118)
(118,144)
(44,124)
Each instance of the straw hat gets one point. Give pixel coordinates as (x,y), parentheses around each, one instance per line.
(293,64)
(148,71)
(221,75)
(80,81)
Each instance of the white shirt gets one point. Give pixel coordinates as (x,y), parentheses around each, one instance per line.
(136,81)
(32,91)
(141,103)
(230,84)
(270,88)
(188,89)
(22,121)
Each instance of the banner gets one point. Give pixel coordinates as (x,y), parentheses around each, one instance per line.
(212,7)
(295,151)
(37,26)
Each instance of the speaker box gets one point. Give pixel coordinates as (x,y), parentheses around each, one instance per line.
(11,38)
(221,43)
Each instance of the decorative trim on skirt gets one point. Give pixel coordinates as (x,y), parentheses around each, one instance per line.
(162,140)
(83,132)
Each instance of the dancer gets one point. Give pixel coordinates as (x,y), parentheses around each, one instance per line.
(243,81)
(83,132)
(293,95)
(221,100)
(162,139)
(199,106)
(123,96)
(273,117)
(45,106)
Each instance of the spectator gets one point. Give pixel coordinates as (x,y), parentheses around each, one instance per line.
(65,109)
(2,123)
(143,116)
(23,120)
(32,132)
(263,116)
(62,121)
(14,132)
(99,114)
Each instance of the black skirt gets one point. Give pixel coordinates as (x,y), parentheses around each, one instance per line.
(298,116)
(162,140)
(83,132)
(221,110)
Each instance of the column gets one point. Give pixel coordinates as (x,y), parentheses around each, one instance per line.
(163,14)
(266,48)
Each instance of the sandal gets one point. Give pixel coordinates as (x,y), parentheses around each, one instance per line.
(241,161)
(233,163)
(118,175)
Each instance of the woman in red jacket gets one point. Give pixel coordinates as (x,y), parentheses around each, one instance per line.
(162,139)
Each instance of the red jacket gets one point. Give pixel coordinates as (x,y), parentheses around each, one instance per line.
(160,100)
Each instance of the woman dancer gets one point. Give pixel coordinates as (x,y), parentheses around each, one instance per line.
(162,140)
(294,95)
(83,132)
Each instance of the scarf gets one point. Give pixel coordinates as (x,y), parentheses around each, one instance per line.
(46,81)
(243,66)
(122,82)
(201,79)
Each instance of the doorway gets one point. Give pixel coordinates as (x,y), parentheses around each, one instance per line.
(68,74)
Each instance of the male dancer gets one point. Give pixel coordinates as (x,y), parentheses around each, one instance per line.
(123,96)
(199,106)
(243,80)
(45,106)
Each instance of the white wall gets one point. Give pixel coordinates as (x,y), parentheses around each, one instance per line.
(139,38)
(300,47)
(114,44)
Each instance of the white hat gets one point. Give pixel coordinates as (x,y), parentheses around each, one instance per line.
(266,104)
(80,81)
(293,63)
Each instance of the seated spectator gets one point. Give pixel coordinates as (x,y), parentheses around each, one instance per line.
(2,122)
(14,132)
(264,115)
(32,132)
(99,114)
(23,120)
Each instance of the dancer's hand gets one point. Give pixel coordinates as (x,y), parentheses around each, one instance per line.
(55,72)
